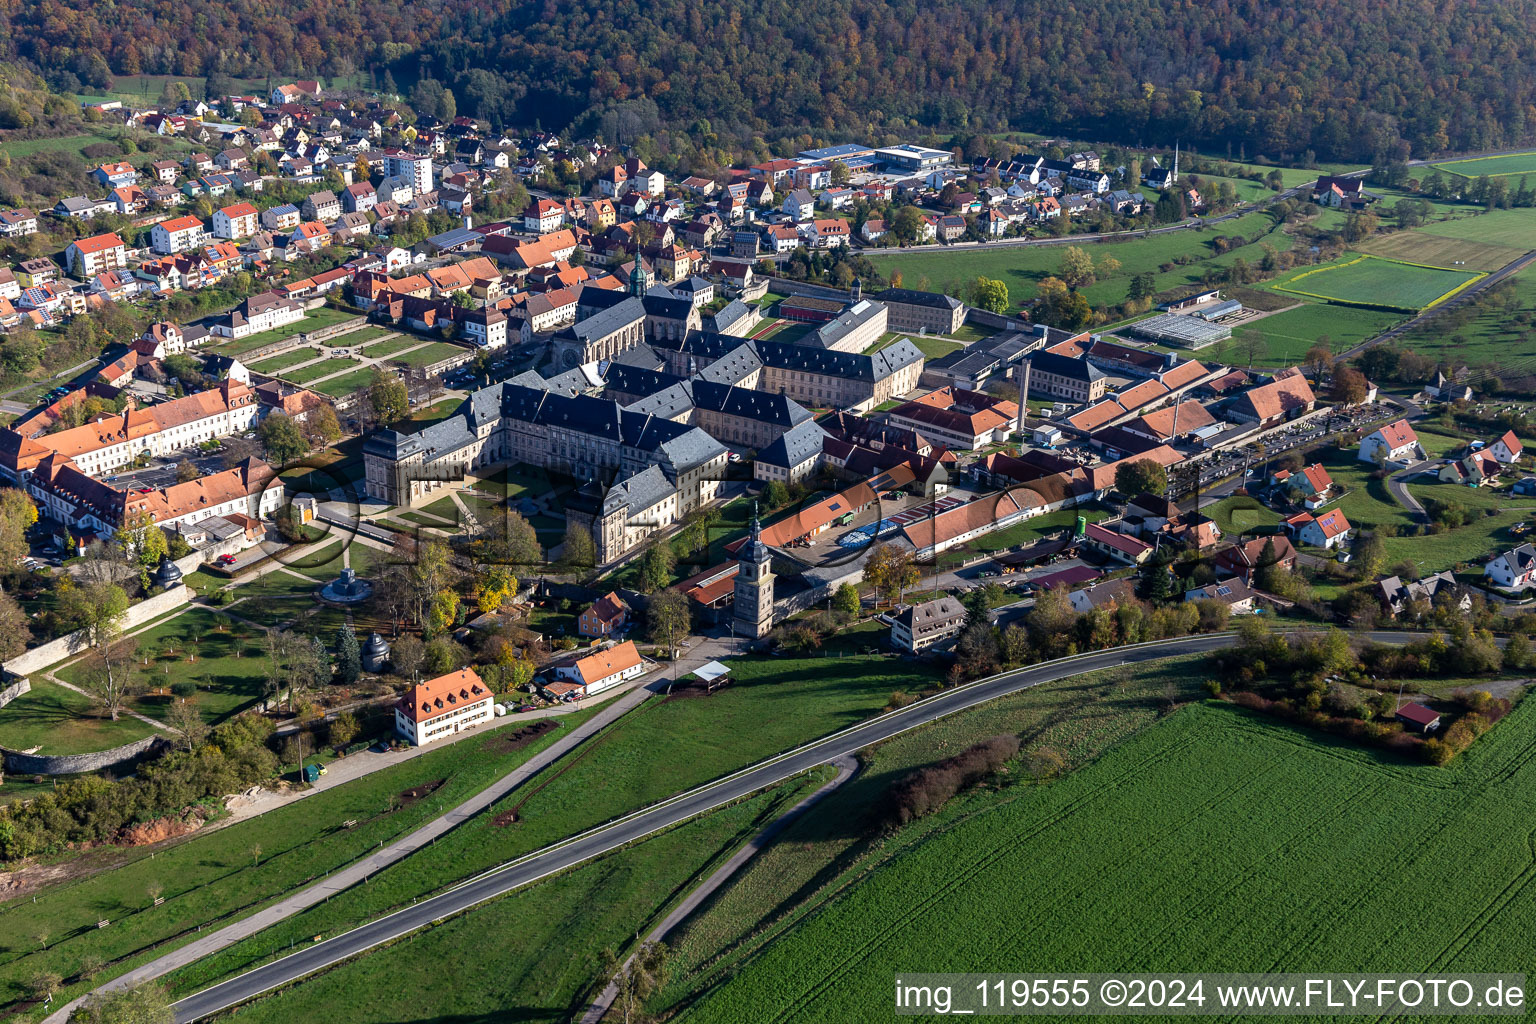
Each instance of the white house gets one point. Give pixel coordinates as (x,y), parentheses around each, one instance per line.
(235,222)
(1328,530)
(1507,449)
(441,707)
(258,313)
(799,205)
(1395,442)
(606,668)
(176,235)
(1513,569)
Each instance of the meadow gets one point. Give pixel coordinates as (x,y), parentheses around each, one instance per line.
(1515,228)
(1370,280)
(1489,334)
(214,876)
(1289,334)
(1490,166)
(1217,841)
(1022,267)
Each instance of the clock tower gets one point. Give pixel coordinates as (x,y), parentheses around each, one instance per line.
(754,585)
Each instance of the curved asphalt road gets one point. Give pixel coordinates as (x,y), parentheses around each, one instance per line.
(680,808)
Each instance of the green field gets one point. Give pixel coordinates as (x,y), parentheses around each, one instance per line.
(1489,335)
(210,877)
(1514,228)
(947,269)
(1491,166)
(1439,250)
(1370,280)
(68,143)
(57,720)
(1288,335)
(316,319)
(1217,841)
(323,368)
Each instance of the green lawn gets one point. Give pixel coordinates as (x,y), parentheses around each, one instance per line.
(211,878)
(200,646)
(1236,515)
(69,143)
(346,383)
(1364,279)
(276,364)
(1288,335)
(425,416)
(656,750)
(389,346)
(969,332)
(431,353)
(1321,843)
(57,720)
(362,336)
(1021,268)
(1034,529)
(324,368)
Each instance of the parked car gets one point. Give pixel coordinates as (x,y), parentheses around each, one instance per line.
(227,559)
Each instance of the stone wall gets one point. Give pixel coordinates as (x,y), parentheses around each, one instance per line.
(65,646)
(13,691)
(18,763)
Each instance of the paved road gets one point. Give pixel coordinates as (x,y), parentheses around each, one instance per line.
(1397,486)
(846,767)
(680,808)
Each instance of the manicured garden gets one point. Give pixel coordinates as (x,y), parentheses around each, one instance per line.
(324,368)
(346,383)
(433,352)
(275,365)
(54,719)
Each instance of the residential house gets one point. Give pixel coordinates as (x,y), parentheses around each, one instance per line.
(176,235)
(1242,559)
(1312,486)
(115,174)
(603,669)
(1116,546)
(1507,449)
(81,208)
(165,171)
(1238,596)
(442,707)
(322,206)
(604,617)
(1395,442)
(17,223)
(87,257)
(1328,531)
(799,205)
(359,197)
(543,216)
(1398,595)
(873,230)
(1512,569)
(281,218)
(917,627)
(235,222)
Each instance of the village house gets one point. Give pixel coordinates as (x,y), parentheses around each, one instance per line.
(176,235)
(603,669)
(87,257)
(1311,485)
(1512,569)
(604,617)
(1398,595)
(441,707)
(1328,531)
(235,222)
(917,627)
(1395,442)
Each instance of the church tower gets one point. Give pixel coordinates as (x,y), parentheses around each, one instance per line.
(639,279)
(754,585)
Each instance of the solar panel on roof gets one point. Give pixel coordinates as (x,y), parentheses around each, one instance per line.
(1223,591)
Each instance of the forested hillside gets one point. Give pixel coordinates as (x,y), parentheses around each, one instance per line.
(1346,79)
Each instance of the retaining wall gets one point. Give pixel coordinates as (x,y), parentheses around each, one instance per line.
(57,650)
(13,691)
(74,764)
